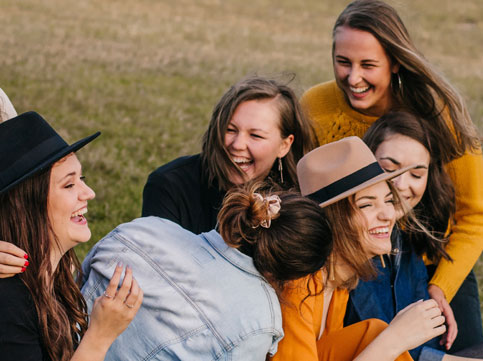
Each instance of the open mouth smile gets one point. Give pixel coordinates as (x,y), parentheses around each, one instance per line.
(242,162)
(78,216)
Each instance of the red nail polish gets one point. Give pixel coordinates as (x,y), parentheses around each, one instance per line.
(26,263)
(23,269)
(26,256)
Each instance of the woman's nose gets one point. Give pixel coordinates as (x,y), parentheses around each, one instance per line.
(87,193)
(239,142)
(354,76)
(400,182)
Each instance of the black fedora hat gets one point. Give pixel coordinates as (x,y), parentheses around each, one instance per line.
(28,144)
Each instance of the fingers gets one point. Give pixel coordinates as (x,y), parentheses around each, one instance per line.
(12,260)
(430,304)
(7,275)
(135,297)
(123,291)
(128,293)
(7,247)
(439,330)
(111,289)
(451,324)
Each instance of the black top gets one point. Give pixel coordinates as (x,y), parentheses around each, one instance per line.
(19,324)
(179,191)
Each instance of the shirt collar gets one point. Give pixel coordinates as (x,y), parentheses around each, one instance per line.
(231,254)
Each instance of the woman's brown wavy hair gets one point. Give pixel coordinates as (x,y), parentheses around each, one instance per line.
(349,229)
(61,309)
(296,244)
(217,164)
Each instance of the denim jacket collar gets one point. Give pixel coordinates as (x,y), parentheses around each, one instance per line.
(232,255)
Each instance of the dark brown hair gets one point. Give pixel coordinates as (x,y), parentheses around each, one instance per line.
(423,90)
(61,309)
(349,228)
(216,162)
(296,244)
(437,205)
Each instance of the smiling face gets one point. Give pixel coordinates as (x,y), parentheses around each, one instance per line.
(376,204)
(67,202)
(363,71)
(399,151)
(253,139)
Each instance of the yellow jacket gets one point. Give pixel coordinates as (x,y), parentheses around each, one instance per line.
(335,119)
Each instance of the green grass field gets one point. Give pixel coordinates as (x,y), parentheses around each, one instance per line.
(147,73)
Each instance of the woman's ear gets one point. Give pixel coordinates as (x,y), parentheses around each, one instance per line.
(395,68)
(285,146)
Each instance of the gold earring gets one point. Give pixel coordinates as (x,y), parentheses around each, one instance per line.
(382,261)
(331,275)
(280,169)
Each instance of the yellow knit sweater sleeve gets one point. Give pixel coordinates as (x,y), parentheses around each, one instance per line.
(466,240)
(334,119)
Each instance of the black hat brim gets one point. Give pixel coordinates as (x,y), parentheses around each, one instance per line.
(52,159)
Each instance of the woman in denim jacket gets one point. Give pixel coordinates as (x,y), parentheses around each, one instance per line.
(398,138)
(212,296)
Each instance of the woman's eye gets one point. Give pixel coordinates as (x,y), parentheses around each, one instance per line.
(257,136)
(362,206)
(390,201)
(417,176)
(230,130)
(388,170)
(70,185)
(367,66)
(341,60)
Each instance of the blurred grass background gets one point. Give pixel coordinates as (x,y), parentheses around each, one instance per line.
(147,73)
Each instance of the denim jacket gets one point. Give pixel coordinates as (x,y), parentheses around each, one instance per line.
(203,300)
(402,281)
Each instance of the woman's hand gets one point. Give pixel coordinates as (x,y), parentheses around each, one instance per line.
(412,326)
(113,311)
(448,338)
(13,260)
(110,316)
(417,323)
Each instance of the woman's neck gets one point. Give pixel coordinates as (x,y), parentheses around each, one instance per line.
(55,256)
(341,274)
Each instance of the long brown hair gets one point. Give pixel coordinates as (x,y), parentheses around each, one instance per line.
(437,205)
(349,229)
(216,162)
(423,90)
(297,242)
(61,309)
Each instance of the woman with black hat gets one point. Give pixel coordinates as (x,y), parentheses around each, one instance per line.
(43,199)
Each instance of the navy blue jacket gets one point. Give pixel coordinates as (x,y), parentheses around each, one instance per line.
(403,281)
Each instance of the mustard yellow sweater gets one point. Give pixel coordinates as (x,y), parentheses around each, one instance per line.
(335,119)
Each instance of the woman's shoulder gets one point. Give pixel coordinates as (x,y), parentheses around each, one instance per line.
(182,166)
(16,301)
(13,287)
(322,98)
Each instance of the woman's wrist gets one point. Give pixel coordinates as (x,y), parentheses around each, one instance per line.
(93,346)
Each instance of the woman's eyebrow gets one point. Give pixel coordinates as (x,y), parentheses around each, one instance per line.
(391,159)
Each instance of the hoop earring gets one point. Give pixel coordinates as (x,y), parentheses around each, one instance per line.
(280,169)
